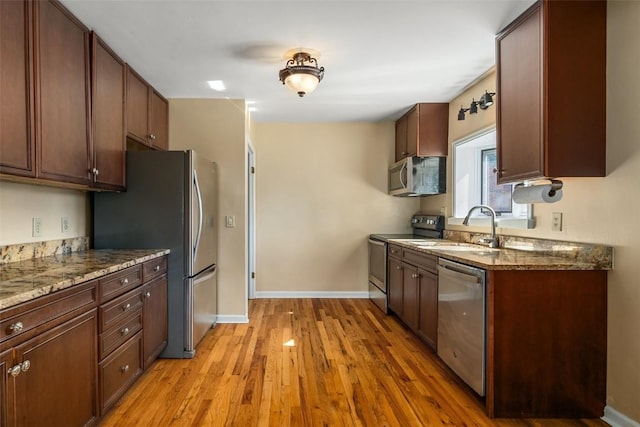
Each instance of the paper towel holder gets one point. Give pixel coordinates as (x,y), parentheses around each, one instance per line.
(556,185)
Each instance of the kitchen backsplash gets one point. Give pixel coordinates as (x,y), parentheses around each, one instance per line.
(24,251)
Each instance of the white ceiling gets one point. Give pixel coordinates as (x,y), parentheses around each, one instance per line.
(380,57)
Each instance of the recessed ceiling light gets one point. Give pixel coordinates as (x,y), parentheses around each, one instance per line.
(252,109)
(217,85)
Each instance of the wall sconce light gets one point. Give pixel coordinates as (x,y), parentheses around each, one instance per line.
(473,108)
(485,101)
(301,74)
(461,113)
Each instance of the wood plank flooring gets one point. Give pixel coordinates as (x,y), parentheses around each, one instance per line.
(308,362)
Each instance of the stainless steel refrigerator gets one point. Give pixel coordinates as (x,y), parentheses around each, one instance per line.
(170,202)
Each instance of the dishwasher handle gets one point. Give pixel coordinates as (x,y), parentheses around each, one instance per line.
(461,271)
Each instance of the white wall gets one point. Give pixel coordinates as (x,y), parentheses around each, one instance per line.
(321,190)
(19,203)
(605,210)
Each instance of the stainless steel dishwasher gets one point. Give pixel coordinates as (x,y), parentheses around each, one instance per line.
(462,321)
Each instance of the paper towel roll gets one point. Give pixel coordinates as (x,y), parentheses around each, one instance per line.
(536,194)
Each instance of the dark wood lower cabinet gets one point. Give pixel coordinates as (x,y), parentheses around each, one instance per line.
(428,321)
(57,381)
(155,319)
(395,286)
(410,296)
(67,357)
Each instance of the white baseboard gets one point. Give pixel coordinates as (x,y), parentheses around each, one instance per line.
(232,318)
(311,294)
(617,419)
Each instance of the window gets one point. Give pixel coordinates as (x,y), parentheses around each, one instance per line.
(474,183)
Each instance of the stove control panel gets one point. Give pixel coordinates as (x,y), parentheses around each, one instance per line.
(429,222)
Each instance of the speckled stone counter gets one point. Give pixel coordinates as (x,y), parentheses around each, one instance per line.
(28,279)
(516,253)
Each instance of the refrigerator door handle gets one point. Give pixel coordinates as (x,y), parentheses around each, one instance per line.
(199,195)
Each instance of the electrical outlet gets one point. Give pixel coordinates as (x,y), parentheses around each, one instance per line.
(556,221)
(36,227)
(65,225)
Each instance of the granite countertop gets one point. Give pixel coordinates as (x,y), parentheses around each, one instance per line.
(565,257)
(25,280)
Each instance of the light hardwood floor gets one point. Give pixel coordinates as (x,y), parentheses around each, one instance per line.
(308,362)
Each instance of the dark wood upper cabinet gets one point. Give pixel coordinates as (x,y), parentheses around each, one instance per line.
(17,154)
(158,121)
(147,113)
(551,88)
(63,137)
(423,131)
(108,120)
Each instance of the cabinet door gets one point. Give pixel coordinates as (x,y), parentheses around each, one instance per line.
(108,79)
(520,110)
(401,138)
(62,84)
(395,285)
(16,109)
(411,295)
(428,323)
(411,145)
(60,384)
(433,130)
(6,394)
(154,322)
(159,121)
(137,107)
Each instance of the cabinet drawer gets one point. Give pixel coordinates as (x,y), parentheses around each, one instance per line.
(395,251)
(419,259)
(120,331)
(119,371)
(20,319)
(154,268)
(112,312)
(118,283)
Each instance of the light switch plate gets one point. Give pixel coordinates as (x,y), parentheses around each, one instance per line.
(556,221)
(230,221)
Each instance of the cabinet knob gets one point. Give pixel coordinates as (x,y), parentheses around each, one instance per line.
(152,137)
(25,365)
(124,282)
(124,331)
(124,369)
(156,268)
(16,328)
(126,307)
(148,294)
(14,371)
(415,275)
(398,267)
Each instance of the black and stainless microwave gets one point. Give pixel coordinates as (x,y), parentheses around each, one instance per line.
(418,176)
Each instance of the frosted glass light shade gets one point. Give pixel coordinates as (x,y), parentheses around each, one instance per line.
(302,83)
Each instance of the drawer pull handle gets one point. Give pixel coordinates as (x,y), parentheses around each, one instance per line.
(156,268)
(148,294)
(25,365)
(126,307)
(124,369)
(415,275)
(14,371)
(124,331)
(16,328)
(124,282)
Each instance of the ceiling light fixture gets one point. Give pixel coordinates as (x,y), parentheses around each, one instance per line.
(217,85)
(485,101)
(301,74)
